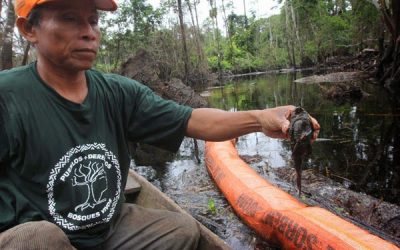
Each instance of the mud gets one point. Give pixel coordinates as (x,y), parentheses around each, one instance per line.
(379,217)
(333,77)
(189,185)
(156,75)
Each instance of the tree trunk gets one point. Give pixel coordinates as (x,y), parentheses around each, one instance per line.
(184,47)
(245,13)
(6,50)
(26,53)
(271,39)
(218,43)
(296,29)
(225,19)
(195,3)
(289,37)
(214,18)
(228,33)
(389,68)
(196,33)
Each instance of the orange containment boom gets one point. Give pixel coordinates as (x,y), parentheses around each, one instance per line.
(277,216)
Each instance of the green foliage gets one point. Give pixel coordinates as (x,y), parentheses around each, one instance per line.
(104,67)
(275,58)
(329,43)
(309,30)
(223,65)
(311,50)
(211,206)
(129,28)
(304,31)
(365,20)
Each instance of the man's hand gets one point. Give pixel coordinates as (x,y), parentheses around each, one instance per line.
(275,122)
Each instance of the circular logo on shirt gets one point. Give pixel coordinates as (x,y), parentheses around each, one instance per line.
(84,187)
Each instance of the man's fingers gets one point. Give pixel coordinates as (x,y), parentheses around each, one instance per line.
(285,128)
(275,134)
(289,111)
(315,135)
(316,128)
(315,123)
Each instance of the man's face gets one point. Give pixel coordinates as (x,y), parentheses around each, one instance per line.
(68,34)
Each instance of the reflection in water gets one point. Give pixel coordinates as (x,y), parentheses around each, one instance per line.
(359,142)
(271,150)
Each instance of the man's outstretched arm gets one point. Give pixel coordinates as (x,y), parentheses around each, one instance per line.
(218,125)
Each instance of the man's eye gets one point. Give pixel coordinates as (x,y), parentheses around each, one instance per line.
(69,18)
(94,21)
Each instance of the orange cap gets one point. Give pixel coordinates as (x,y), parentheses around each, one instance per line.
(24,7)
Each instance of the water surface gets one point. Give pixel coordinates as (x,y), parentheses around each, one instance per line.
(358,147)
(359,143)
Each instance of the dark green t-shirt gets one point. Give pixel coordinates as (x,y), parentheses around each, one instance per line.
(66,162)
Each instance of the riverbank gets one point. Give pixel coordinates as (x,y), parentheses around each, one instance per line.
(365,62)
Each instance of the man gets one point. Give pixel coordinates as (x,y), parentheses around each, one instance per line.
(64,131)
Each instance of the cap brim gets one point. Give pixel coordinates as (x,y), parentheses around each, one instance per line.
(108,5)
(24,9)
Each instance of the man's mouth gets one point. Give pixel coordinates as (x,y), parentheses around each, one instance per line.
(86,50)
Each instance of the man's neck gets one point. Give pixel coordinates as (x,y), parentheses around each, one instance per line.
(70,84)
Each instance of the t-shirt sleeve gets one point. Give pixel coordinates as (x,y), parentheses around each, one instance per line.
(152,119)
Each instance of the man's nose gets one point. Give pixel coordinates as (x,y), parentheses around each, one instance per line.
(88,31)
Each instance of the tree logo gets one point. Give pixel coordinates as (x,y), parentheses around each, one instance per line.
(84,187)
(88,175)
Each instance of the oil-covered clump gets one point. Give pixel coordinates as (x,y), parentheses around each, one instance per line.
(300,133)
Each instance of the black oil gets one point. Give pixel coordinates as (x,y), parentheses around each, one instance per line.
(358,147)
(359,141)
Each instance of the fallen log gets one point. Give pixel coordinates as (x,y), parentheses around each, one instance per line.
(333,77)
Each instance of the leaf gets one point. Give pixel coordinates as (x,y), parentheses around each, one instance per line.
(211,206)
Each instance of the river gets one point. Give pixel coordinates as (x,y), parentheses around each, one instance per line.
(358,147)
(359,143)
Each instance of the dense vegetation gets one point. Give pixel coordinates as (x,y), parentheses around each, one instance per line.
(306,32)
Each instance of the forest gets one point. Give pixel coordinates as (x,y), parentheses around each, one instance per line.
(305,33)
(359,141)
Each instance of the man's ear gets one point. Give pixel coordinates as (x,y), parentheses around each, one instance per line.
(26,29)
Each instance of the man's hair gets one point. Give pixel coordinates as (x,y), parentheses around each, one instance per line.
(35,15)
